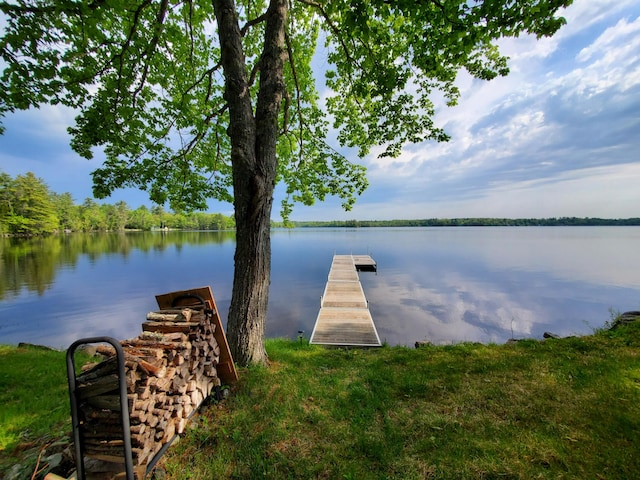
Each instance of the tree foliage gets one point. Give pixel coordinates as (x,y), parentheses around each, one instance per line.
(28,207)
(147,80)
(389,58)
(159,110)
(198,99)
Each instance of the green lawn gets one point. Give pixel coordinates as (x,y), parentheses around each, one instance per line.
(34,401)
(33,395)
(567,408)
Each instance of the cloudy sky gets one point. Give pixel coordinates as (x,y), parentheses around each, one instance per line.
(560,136)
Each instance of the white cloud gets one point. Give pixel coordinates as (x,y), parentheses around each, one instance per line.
(535,143)
(47,123)
(583,14)
(457,307)
(613,38)
(606,192)
(615,60)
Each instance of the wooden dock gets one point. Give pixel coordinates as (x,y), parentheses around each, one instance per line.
(344,318)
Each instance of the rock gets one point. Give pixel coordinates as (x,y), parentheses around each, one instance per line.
(550,335)
(51,461)
(54,461)
(88,349)
(159,473)
(18,472)
(625,318)
(225,392)
(31,345)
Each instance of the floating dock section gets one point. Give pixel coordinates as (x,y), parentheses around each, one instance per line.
(344,318)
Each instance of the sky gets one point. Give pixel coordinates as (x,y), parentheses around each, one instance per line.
(559,136)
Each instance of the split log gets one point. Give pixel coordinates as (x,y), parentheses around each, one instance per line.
(182,315)
(152,353)
(168,327)
(110,402)
(105,350)
(166,345)
(152,368)
(98,386)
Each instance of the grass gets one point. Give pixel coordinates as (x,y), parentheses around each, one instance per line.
(567,408)
(34,398)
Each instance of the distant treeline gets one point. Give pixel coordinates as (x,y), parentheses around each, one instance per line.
(28,207)
(473,222)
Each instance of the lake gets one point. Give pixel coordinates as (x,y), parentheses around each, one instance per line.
(443,284)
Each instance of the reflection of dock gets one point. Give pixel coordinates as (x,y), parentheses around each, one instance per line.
(344,317)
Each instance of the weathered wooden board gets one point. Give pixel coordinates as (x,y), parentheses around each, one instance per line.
(344,294)
(365,262)
(346,327)
(226,368)
(343,275)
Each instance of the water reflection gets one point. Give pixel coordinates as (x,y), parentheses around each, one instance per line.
(58,289)
(442,284)
(488,285)
(32,263)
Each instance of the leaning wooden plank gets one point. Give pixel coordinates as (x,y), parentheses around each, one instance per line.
(226,368)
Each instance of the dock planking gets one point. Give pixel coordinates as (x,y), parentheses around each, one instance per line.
(344,318)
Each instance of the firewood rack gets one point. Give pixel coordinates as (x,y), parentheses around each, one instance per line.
(124,405)
(198,298)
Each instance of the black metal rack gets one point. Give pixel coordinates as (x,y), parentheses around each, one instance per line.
(124,404)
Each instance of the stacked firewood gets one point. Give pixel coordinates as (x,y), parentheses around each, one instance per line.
(170,370)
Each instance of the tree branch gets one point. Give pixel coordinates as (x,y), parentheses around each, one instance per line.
(190,28)
(158,27)
(124,48)
(298,99)
(336,31)
(254,73)
(251,23)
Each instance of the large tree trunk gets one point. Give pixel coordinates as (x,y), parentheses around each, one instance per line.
(254,163)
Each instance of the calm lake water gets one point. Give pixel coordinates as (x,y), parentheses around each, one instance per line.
(441,284)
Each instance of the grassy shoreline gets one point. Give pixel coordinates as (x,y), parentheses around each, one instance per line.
(566,408)
(559,408)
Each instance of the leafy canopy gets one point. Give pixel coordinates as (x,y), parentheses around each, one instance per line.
(146,80)
(26,206)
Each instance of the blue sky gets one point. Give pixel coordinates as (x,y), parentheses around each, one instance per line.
(560,136)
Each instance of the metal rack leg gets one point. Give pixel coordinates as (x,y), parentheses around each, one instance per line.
(124,404)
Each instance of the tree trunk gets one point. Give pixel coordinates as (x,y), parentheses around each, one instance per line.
(254,163)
